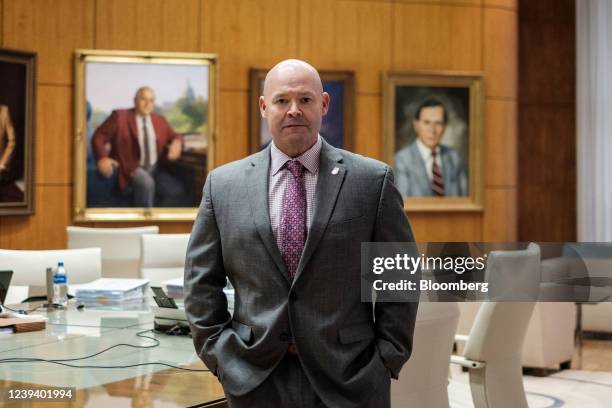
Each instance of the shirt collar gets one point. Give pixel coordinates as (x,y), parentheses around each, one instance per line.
(309,159)
(426,151)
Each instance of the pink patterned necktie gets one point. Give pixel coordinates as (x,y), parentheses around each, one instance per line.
(293,218)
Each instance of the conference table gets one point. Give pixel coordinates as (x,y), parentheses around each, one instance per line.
(73,333)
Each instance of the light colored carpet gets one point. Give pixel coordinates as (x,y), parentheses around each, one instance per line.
(567,389)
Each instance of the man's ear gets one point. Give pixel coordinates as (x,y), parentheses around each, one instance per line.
(262,106)
(325,104)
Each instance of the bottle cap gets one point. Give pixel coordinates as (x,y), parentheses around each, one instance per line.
(60,264)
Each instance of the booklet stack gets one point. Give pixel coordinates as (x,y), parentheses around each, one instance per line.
(112,292)
(174,288)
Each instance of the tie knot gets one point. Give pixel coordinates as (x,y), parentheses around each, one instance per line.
(433,153)
(295,167)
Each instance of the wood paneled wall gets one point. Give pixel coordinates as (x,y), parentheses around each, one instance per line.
(367,36)
(547,121)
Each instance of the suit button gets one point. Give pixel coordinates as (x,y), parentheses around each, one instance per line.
(284,337)
(293,296)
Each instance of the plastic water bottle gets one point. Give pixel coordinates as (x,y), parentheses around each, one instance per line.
(60,285)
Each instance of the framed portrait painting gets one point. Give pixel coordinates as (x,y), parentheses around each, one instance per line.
(145,130)
(433,138)
(338,124)
(17,127)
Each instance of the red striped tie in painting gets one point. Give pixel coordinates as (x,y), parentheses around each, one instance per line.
(437,182)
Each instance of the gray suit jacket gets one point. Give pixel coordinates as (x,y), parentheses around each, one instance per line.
(412,180)
(345,346)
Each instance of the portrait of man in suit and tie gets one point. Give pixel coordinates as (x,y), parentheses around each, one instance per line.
(145,126)
(137,146)
(285,227)
(427,167)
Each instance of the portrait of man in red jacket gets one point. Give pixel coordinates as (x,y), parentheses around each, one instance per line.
(140,147)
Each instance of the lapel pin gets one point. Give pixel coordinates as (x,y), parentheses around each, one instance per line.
(335,171)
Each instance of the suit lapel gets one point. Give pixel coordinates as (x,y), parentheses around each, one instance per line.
(420,170)
(447,167)
(132,124)
(331,175)
(257,175)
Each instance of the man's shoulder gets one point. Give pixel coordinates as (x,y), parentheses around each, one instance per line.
(449,151)
(362,164)
(236,168)
(121,114)
(407,154)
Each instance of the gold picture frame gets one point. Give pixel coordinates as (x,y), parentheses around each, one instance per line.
(338,125)
(185,87)
(458,140)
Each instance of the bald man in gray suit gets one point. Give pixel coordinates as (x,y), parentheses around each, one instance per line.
(285,226)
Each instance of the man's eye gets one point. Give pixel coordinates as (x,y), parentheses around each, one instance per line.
(306,99)
(281,101)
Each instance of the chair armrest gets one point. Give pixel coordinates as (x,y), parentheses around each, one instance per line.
(464,362)
(462,337)
(554,269)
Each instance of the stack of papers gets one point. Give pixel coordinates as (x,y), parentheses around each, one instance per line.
(174,288)
(112,291)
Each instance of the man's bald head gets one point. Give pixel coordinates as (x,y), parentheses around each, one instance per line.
(144,100)
(293,104)
(293,67)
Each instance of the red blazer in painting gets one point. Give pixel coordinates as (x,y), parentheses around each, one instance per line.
(119,133)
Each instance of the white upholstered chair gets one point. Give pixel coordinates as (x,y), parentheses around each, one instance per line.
(162,257)
(493,348)
(29,269)
(549,342)
(423,381)
(120,247)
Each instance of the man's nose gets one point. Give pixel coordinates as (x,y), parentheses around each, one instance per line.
(294,109)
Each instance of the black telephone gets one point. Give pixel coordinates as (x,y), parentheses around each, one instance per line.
(162,299)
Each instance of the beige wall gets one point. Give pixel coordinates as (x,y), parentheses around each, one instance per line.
(368,37)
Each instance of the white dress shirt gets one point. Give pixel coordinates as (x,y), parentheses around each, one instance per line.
(146,121)
(428,159)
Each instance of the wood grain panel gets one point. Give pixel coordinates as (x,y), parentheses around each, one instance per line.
(175,227)
(2,23)
(251,33)
(440,227)
(547,145)
(233,140)
(368,126)
(501,143)
(164,227)
(500,217)
(547,127)
(500,52)
(54,136)
(545,61)
(53,29)
(547,175)
(347,35)
(511,4)
(436,37)
(44,230)
(546,213)
(445,2)
(153,25)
